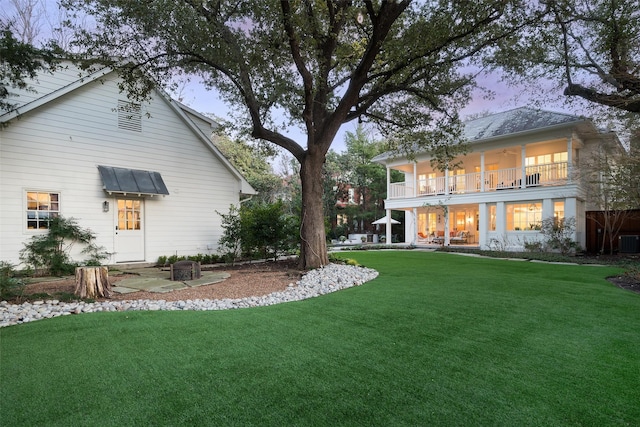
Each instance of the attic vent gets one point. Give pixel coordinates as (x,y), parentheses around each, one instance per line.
(129,117)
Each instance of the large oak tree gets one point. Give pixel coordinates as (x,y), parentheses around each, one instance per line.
(312,64)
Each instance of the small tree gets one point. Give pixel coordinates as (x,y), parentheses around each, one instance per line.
(612,178)
(230,242)
(267,230)
(49,253)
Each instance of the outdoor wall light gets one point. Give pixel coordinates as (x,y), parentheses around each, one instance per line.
(105,206)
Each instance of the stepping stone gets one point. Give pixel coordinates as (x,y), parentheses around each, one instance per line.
(209,279)
(167,288)
(123,290)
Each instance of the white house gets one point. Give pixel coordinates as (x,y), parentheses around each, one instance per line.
(145,178)
(522,166)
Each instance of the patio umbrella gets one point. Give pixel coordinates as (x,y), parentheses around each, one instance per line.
(383,221)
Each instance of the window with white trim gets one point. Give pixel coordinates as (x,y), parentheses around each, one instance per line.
(524,216)
(42,207)
(558,210)
(492,217)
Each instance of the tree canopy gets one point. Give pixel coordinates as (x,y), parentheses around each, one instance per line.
(253,162)
(311,64)
(590,48)
(20,61)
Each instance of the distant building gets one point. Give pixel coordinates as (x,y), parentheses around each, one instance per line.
(522,167)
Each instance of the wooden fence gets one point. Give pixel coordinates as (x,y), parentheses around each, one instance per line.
(629,222)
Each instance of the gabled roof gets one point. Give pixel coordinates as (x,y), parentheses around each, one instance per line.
(512,122)
(51,95)
(181,110)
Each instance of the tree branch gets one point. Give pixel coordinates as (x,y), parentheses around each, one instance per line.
(611,100)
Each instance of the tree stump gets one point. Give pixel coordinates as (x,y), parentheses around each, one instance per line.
(92,282)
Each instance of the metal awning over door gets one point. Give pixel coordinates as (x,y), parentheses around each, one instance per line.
(132,182)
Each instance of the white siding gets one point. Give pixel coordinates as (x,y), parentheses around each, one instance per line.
(46,83)
(205,126)
(58,147)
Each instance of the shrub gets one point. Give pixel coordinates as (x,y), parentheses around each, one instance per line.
(633,272)
(10,286)
(499,244)
(533,246)
(558,234)
(175,258)
(49,253)
(162,261)
(195,258)
(267,231)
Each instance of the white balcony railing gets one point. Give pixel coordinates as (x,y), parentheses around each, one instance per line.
(398,190)
(501,179)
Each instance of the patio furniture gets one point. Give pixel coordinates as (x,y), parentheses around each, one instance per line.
(460,237)
(439,238)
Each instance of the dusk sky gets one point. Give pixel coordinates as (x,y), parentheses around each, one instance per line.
(505,98)
(207,102)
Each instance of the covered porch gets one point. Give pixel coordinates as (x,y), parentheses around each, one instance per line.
(456,225)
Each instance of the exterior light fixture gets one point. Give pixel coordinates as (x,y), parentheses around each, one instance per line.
(105,206)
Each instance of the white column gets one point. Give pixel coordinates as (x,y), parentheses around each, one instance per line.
(388,227)
(570,207)
(569,159)
(414,232)
(447,226)
(388,181)
(523,160)
(501,220)
(571,211)
(482,225)
(482,171)
(415,179)
(547,208)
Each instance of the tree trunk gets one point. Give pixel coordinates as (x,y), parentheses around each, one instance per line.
(92,282)
(313,244)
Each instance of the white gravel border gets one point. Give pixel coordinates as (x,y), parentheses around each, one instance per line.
(320,281)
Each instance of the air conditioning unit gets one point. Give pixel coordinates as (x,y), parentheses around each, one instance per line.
(629,244)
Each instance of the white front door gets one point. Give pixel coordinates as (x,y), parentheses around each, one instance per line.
(129,237)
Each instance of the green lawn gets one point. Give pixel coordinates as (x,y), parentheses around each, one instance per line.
(436,339)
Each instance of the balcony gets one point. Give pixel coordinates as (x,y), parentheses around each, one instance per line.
(552,174)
